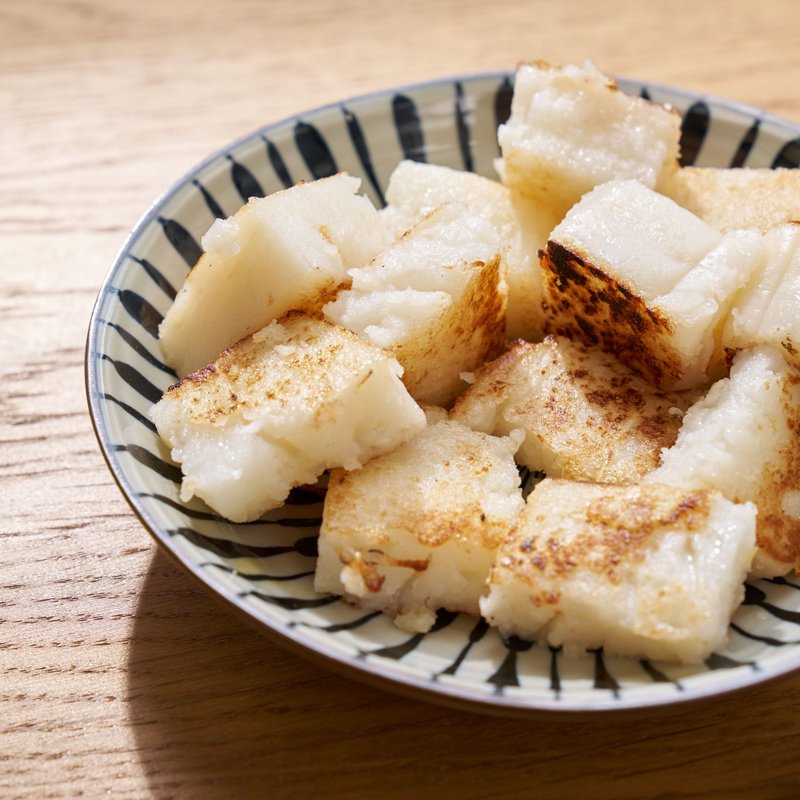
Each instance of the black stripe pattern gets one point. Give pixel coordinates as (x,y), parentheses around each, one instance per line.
(360,145)
(462,128)
(278,164)
(178,236)
(315,151)
(267,567)
(745,145)
(246,183)
(408,125)
(694,128)
(213,206)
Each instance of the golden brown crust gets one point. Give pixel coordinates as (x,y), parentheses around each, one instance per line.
(584,303)
(435,519)
(731,199)
(618,524)
(599,419)
(249,374)
(475,325)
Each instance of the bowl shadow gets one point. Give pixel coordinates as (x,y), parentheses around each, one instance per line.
(218,710)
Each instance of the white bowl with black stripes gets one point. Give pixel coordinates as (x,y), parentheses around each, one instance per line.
(265,569)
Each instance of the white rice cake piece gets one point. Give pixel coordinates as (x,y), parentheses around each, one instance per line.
(416,530)
(435,299)
(571,129)
(584,414)
(645,571)
(415,189)
(277,409)
(289,250)
(632,272)
(767,310)
(731,199)
(743,439)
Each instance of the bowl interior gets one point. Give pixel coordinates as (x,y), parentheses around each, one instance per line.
(266,569)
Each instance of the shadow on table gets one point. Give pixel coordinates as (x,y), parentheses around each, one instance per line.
(220,711)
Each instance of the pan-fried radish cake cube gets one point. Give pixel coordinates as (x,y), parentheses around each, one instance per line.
(743,439)
(415,530)
(277,409)
(766,311)
(289,250)
(731,199)
(571,129)
(415,189)
(435,299)
(584,414)
(646,571)
(632,272)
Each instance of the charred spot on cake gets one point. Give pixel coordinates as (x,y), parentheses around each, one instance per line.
(198,376)
(590,306)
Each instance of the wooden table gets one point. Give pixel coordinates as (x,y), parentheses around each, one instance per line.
(120,677)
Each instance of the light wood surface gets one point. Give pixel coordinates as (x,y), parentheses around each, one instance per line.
(119,676)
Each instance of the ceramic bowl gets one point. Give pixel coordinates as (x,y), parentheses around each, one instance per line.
(266,569)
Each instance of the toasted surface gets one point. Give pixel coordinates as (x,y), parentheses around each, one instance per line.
(571,129)
(766,310)
(584,414)
(631,272)
(731,199)
(277,409)
(290,250)
(416,188)
(743,439)
(435,299)
(646,571)
(415,530)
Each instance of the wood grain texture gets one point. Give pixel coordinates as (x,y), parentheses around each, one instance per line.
(118,675)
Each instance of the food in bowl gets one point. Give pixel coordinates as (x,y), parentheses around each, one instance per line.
(366,581)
